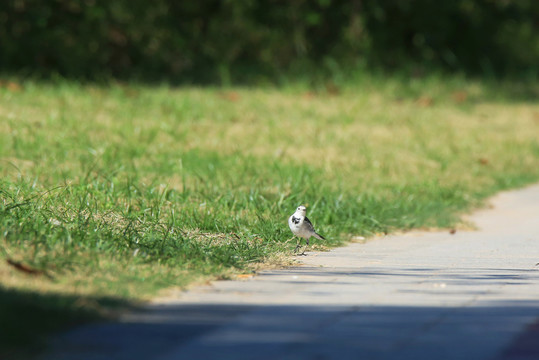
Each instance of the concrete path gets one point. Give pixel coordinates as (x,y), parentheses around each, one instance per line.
(422,295)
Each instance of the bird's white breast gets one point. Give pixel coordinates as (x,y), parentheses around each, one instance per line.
(295,226)
(298,229)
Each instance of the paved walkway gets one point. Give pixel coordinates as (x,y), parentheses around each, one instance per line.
(422,295)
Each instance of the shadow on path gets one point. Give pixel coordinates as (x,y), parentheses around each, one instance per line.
(208,331)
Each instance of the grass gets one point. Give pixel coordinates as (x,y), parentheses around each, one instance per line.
(121,191)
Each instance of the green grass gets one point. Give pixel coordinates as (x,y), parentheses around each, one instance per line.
(124,190)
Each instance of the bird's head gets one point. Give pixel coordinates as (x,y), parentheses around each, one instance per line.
(301,210)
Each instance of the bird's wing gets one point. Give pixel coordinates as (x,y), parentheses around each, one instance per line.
(308,223)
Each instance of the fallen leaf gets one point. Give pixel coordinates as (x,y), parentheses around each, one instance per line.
(483,161)
(332,89)
(309,95)
(425,101)
(24,268)
(245,276)
(459,96)
(11,86)
(230,96)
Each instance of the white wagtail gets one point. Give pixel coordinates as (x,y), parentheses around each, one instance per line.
(302,227)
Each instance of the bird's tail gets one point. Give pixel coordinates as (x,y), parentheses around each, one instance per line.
(319,237)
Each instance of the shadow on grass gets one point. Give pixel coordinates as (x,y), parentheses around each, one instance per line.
(27,317)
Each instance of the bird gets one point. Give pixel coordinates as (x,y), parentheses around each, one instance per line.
(302,227)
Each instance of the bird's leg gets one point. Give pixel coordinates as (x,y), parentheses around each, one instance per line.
(298,245)
(306,246)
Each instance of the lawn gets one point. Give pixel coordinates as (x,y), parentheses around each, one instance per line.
(123,191)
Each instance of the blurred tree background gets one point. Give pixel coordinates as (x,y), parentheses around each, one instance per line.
(246,40)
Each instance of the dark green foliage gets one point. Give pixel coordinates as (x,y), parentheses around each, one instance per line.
(247,40)
(477,36)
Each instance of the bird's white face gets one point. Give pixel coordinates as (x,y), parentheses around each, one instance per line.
(301,210)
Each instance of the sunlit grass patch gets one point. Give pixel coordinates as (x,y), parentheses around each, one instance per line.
(122,191)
